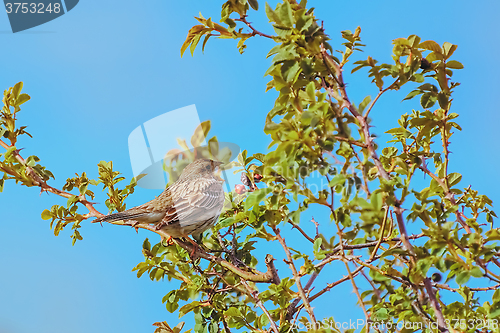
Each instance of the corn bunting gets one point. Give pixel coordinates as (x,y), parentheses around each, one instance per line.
(189,206)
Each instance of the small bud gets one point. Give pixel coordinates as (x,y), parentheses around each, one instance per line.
(256,177)
(240,188)
(370,61)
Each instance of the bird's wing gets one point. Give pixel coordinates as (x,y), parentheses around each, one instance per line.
(200,200)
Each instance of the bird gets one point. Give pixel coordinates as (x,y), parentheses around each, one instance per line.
(191,205)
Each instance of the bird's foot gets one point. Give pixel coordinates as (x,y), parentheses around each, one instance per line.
(167,242)
(196,247)
(135,226)
(159,226)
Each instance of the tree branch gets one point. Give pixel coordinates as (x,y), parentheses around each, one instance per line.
(447,192)
(270,276)
(296,277)
(347,104)
(435,305)
(255,295)
(38,181)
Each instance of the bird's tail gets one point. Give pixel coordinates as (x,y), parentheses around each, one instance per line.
(131,215)
(115,217)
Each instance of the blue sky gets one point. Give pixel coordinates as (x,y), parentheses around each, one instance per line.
(106,67)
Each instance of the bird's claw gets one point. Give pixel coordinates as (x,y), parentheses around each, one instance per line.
(169,241)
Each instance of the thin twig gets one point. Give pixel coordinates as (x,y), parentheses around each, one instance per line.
(296,277)
(402,229)
(296,226)
(356,291)
(255,296)
(378,96)
(352,142)
(447,192)
(336,283)
(330,257)
(254,31)
(381,236)
(370,281)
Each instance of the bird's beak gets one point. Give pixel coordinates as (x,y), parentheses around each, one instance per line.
(218,171)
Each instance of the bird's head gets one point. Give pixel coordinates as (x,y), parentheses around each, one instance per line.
(202,167)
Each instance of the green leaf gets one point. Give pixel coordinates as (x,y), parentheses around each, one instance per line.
(496,296)
(285,14)
(205,40)
(443,100)
(233,312)
(227,222)
(393,251)
(259,156)
(256,197)
(431,46)
(273,51)
(146,245)
(188,308)
(194,43)
(462,277)
(412,94)
(290,73)
(381,314)
(254,4)
(376,200)
(494,310)
(448,49)
(271,15)
(476,272)
(428,100)
(428,87)
(22,99)
(454,178)
(311,90)
(338,179)
(453,64)
(17,89)
(317,244)
(304,21)
(193,32)
(399,131)
(364,103)
(433,56)
(71,200)
(46,215)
